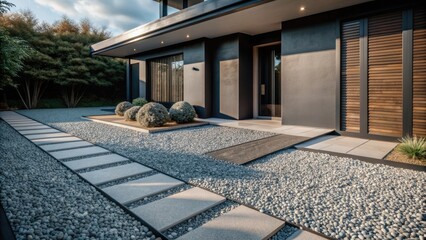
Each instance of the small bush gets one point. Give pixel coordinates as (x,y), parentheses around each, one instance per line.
(130,114)
(139,102)
(122,107)
(413,147)
(152,115)
(182,112)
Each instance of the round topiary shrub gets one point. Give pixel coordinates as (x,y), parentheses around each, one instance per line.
(130,114)
(182,112)
(139,102)
(152,115)
(122,107)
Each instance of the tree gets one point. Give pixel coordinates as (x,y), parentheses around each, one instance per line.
(79,69)
(5,6)
(13,51)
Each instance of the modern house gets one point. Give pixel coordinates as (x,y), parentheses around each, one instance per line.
(357,66)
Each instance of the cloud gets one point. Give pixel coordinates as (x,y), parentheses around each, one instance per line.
(116,15)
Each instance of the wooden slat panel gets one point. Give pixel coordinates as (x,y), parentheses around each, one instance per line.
(385,74)
(419,73)
(350,76)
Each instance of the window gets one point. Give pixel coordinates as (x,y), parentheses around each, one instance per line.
(166,79)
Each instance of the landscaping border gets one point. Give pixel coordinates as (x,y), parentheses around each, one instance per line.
(371,160)
(157,130)
(127,210)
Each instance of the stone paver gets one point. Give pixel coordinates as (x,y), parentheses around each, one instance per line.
(79,152)
(134,190)
(350,145)
(114,173)
(95,161)
(32,128)
(239,223)
(63,146)
(55,140)
(26,124)
(38,131)
(304,235)
(167,212)
(47,135)
(374,149)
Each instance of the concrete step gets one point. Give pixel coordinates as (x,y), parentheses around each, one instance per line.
(167,212)
(305,235)
(55,140)
(47,135)
(114,173)
(138,189)
(94,161)
(239,223)
(79,152)
(38,131)
(64,146)
(32,128)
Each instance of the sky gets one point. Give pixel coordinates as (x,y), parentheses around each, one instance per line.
(117,16)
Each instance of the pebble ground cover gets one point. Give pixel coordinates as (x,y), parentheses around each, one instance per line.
(340,197)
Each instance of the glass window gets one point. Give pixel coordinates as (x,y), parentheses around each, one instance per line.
(166,79)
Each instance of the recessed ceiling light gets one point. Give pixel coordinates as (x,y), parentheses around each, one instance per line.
(162,42)
(302,8)
(187,36)
(134,49)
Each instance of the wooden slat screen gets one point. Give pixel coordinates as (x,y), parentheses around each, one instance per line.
(385,74)
(350,76)
(419,73)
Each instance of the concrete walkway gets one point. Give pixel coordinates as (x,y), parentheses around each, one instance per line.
(129,181)
(272,126)
(350,145)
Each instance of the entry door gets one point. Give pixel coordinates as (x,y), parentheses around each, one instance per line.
(270,81)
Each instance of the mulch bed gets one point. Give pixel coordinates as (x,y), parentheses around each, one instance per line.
(396,156)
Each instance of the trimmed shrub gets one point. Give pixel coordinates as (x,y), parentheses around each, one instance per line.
(413,147)
(152,115)
(122,107)
(182,112)
(130,114)
(139,102)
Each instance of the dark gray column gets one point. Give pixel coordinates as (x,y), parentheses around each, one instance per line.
(407,72)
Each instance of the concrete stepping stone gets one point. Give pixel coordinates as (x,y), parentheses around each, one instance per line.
(114,173)
(305,235)
(79,152)
(239,223)
(55,140)
(63,146)
(32,128)
(25,124)
(167,212)
(134,190)
(21,121)
(39,131)
(95,161)
(47,135)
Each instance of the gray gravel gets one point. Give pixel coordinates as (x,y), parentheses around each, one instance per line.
(43,200)
(340,197)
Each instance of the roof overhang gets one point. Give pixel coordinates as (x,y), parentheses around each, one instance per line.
(214,19)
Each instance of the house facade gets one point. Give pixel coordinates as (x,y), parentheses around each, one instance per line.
(356,66)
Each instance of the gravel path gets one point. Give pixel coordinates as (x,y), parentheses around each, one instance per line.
(43,200)
(340,197)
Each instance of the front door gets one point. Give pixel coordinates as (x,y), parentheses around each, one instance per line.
(270,81)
